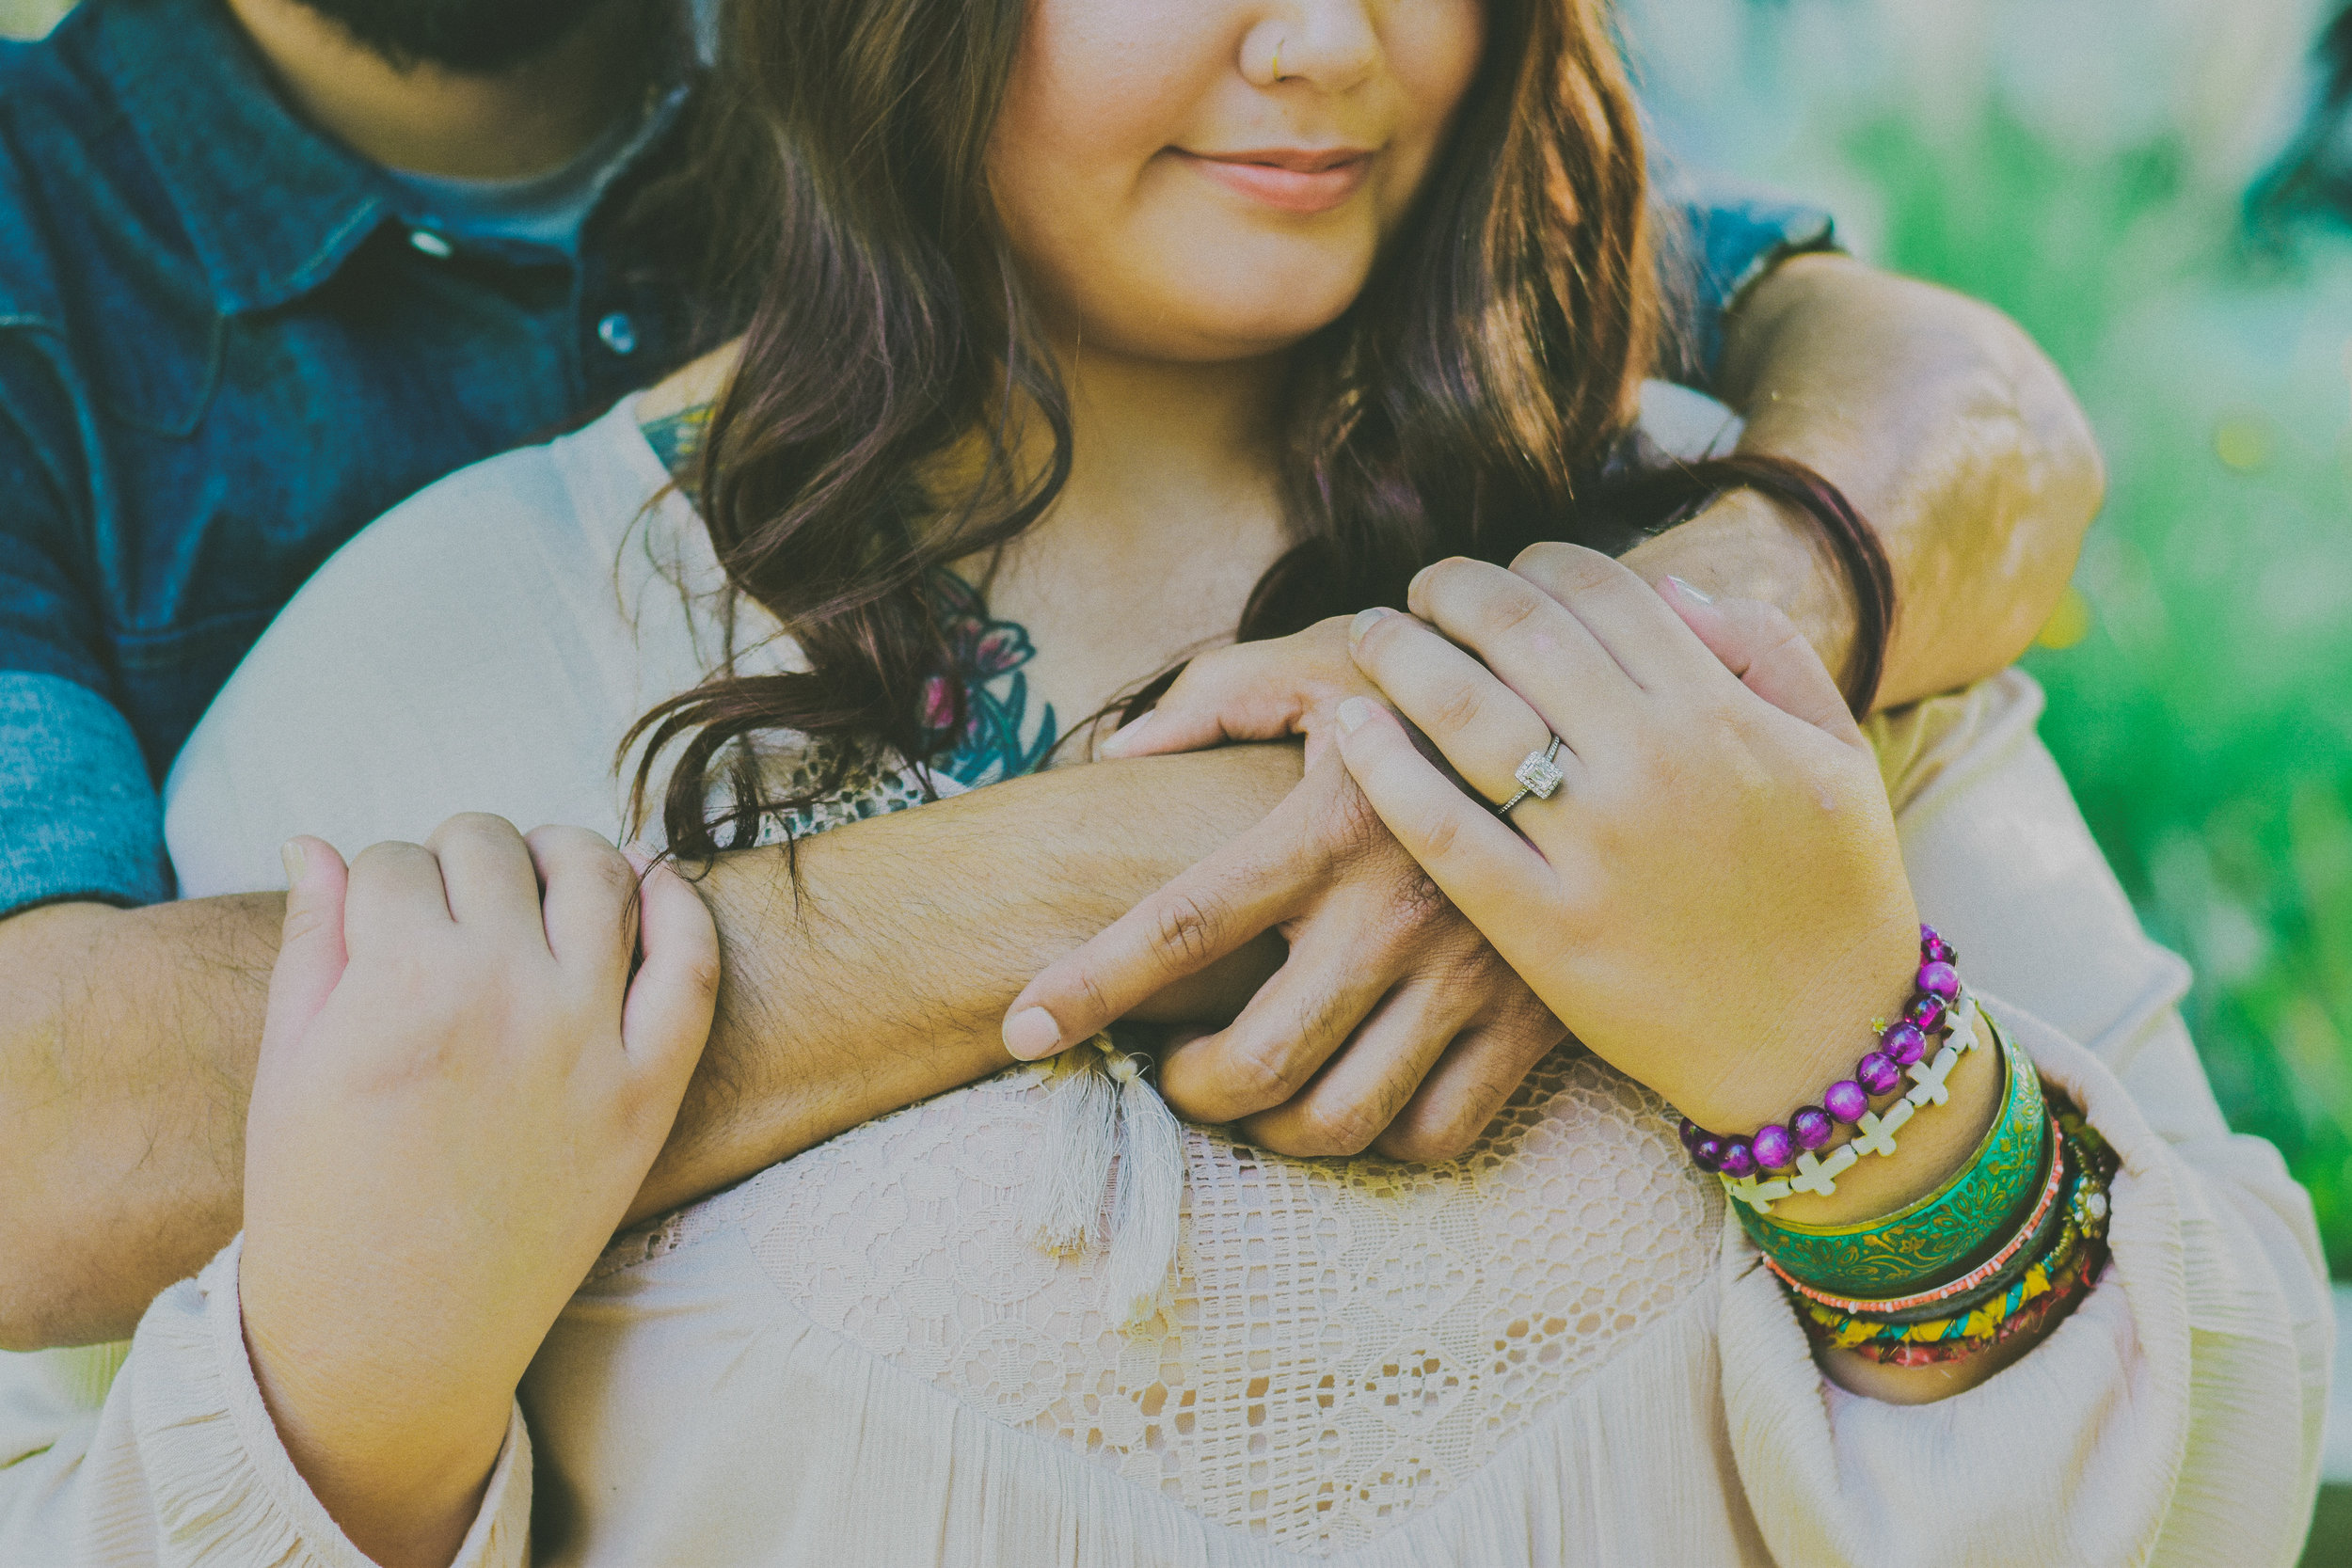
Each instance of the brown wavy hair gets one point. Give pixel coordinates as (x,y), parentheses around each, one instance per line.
(1463,406)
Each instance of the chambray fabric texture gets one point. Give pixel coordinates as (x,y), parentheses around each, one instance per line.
(228,342)
(224,349)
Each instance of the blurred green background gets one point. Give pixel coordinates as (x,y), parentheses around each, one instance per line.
(2083,164)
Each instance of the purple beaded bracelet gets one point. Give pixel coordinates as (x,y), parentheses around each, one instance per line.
(1901,1044)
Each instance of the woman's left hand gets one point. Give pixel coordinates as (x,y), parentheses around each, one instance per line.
(1712,899)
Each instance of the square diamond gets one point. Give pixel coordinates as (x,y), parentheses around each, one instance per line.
(1539,775)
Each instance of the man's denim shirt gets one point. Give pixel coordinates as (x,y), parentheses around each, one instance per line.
(224,348)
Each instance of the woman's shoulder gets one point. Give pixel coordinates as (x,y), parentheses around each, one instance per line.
(673,413)
(481,646)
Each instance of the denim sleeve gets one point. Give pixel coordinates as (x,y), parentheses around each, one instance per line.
(79,812)
(1719,236)
(79,818)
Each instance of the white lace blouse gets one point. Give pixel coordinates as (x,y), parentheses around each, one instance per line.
(1554,1350)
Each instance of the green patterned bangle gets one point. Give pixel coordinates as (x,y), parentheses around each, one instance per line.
(1941,1234)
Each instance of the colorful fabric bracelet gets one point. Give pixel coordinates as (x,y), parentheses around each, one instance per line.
(1942,1234)
(2057,1276)
(2075,1283)
(1747,1162)
(1987,1310)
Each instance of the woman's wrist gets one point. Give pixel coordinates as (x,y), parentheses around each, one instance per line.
(403,1480)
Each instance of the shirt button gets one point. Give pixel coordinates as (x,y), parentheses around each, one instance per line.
(619,334)
(431,243)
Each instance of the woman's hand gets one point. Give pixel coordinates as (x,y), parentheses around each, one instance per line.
(1391,1023)
(1714,899)
(461,1087)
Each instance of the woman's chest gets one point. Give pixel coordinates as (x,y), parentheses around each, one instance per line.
(1343,1344)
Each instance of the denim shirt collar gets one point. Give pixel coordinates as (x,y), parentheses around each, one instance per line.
(272,206)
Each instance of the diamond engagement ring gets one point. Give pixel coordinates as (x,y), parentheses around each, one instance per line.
(1539,775)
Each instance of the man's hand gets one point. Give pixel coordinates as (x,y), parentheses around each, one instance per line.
(1948,430)
(1392,1025)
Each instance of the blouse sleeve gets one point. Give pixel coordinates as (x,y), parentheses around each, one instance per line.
(2175,1416)
(181,1464)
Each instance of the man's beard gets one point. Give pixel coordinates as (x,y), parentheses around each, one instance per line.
(475,36)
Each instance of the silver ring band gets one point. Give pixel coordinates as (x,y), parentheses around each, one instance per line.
(1539,774)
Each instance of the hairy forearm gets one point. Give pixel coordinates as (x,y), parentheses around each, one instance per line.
(881,975)
(1943,425)
(127,1044)
(128,1039)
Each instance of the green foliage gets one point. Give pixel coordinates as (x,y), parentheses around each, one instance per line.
(2206,720)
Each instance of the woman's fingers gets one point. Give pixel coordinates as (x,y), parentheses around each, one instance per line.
(590,906)
(1494,877)
(666,1019)
(1763,646)
(310,953)
(1621,610)
(1484,727)
(1530,639)
(486,872)
(395,895)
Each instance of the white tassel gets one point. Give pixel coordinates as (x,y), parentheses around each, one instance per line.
(1151,1200)
(1065,1204)
(1102,1105)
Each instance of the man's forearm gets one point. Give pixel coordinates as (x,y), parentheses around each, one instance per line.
(128,1037)
(883,976)
(1943,424)
(127,1044)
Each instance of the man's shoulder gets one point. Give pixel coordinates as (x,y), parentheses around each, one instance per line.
(77,184)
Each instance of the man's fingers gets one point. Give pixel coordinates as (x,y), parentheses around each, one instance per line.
(1186,926)
(1472,854)
(310,953)
(1222,696)
(1361,1090)
(1294,1024)
(1465,1090)
(1763,646)
(666,1019)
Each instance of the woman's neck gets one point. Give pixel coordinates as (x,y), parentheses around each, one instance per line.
(1166,455)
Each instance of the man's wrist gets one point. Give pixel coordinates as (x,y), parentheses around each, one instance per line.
(1749,547)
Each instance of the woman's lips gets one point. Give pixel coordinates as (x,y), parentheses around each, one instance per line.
(1289,179)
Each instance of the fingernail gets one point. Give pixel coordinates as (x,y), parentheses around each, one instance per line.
(1353,713)
(1365,620)
(1031,1033)
(1118,741)
(1690,592)
(291,852)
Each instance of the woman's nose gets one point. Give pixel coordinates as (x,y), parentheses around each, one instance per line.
(1332,44)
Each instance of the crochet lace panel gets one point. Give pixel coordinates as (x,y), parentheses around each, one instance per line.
(1345,1343)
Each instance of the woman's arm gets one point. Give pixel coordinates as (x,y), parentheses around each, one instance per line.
(1945,426)
(2177,1410)
(473,1049)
